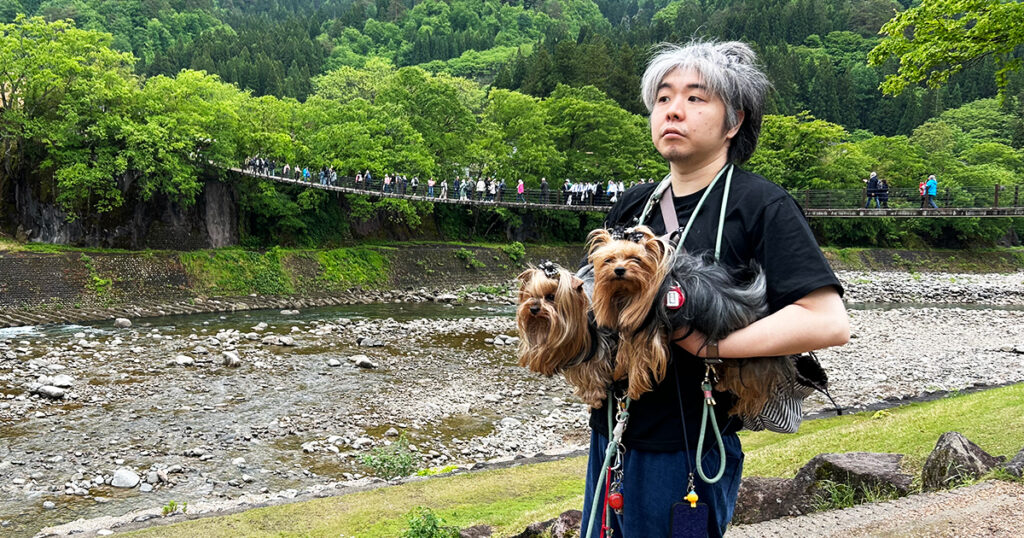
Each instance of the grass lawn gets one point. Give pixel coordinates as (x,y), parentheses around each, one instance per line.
(510,499)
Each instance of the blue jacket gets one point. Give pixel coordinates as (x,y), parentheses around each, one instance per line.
(931,187)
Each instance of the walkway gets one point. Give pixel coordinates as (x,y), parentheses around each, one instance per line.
(849,203)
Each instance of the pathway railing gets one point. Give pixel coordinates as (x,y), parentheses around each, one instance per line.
(994,201)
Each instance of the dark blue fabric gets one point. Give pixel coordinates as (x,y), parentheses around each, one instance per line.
(653,481)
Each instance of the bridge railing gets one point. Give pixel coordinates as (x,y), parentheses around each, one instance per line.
(995,196)
(965,197)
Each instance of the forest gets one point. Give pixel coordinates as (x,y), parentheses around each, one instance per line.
(106,102)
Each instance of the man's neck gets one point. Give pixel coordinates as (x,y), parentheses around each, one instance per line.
(688,178)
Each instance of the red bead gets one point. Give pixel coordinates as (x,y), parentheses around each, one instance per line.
(615,501)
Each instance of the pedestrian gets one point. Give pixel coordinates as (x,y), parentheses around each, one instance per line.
(414,182)
(883,193)
(713,93)
(521,192)
(481,187)
(931,189)
(872,190)
(430,187)
(444,188)
(458,187)
(544,190)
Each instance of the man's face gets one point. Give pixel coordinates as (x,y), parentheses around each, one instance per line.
(688,122)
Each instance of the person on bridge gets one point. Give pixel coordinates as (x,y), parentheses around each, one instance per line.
(883,193)
(430,187)
(481,187)
(457,185)
(521,192)
(544,190)
(444,188)
(706,103)
(931,189)
(872,189)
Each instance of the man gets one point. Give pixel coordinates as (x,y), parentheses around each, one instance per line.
(872,190)
(932,189)
(706,104)
(544,190)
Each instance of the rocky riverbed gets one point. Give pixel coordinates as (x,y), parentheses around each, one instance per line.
(98,420)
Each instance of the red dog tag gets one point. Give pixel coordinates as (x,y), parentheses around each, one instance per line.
(674,299)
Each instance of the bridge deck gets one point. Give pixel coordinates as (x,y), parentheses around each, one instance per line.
(534,202)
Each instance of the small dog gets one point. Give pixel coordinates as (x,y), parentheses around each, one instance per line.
(714,304)
(629,268)
(558,335)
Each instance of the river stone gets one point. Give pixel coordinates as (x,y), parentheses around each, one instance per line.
(446,298)
(287,340)
(761,499)
(231,359)
(271,340)
(49,505)
(955,458)
(567,524)
(333,363)
(861,470)
(184,360)
(122,323)
(392,432)
(146,488)
(1016,465)
(50,391)
(365,362)
(125,478)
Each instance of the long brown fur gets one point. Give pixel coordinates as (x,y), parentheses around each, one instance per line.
(552,318)
(753,381)
(627,277)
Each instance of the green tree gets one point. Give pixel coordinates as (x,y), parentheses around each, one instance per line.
(938,38)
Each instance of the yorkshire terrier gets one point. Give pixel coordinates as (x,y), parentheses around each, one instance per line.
(558,335)
(629,267)
(713,303)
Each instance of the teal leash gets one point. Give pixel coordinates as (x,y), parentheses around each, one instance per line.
(614,439)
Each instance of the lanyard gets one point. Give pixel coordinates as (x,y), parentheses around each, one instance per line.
(664,187)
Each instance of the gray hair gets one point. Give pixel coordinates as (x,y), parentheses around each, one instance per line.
(730,72)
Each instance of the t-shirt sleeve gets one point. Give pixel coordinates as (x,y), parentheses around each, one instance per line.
(793,263)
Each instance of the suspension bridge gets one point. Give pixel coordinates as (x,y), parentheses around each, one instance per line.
(995,201)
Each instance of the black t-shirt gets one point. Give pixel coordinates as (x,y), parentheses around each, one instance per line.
(763,224)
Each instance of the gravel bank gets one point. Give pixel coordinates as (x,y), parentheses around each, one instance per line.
(266,405)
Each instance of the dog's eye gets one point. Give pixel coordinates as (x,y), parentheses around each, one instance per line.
(634,259)
(609,260)
(550,297)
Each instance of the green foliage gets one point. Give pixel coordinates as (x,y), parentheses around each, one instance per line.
(172,507)
(515,251)
(469,257)
(359,266)
(392,461)
(833,495)
(938,38)
(423,523)
(238,272)
(433,471)
(99,285)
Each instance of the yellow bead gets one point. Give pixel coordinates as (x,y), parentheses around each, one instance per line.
(692,497)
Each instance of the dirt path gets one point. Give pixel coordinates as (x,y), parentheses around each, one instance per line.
(989,509)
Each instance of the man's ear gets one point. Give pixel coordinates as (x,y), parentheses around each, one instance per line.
(740,115)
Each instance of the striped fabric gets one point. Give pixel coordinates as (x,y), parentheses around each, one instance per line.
(784,411)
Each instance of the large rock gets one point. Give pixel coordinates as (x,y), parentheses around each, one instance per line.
(955,459)
(863,471)
(1016,465)
(565,525)
(125,478)
(761,499)
(476,531)
(49,391)
(122,323)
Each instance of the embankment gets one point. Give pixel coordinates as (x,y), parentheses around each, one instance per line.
(45,284)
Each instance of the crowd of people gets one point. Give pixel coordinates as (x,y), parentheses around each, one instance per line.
(878,192)
(481,188)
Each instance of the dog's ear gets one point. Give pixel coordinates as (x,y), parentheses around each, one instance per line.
(576,283)
(596,238)
(525,276)
(657,246)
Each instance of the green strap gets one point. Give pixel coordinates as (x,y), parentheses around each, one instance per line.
(609,451)
(708,412)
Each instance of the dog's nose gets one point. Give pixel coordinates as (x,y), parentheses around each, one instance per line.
(619,271)
(534,309)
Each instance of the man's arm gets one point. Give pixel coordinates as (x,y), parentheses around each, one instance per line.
(817,320)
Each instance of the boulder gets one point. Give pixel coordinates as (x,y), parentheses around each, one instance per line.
(49,391)
(476,531)
(125,478)
(365,362)
(863,471)
(566,525)
(954,459)
(761,499)
(231,359)
(1016,465)
(122,323)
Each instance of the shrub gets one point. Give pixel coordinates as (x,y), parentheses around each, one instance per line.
(391,461)
(425,524)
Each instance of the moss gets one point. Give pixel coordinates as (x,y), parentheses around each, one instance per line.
(97,284)
(237,272)
(358,266)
